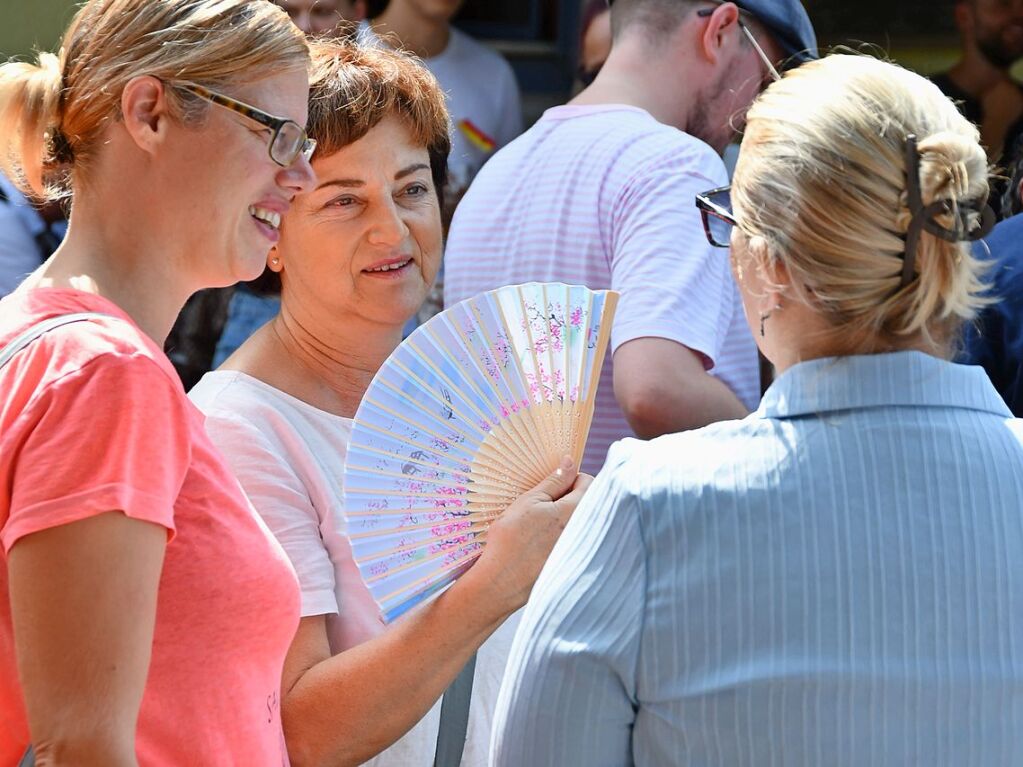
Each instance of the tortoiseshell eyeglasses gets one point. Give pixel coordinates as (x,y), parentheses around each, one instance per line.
(289,139)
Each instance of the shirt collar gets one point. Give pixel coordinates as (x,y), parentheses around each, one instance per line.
(908,378)
(28,215)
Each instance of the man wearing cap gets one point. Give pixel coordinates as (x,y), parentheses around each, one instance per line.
(599,192)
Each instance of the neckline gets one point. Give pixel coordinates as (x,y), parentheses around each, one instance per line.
(291,399)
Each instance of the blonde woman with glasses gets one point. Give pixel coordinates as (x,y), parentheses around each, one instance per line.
(145,613)
(835,579)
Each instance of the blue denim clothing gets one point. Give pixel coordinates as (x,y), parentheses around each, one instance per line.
(836,580)
(996,340)
(246,313)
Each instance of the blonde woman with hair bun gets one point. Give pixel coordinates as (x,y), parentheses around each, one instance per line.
(145,613)
(835,579)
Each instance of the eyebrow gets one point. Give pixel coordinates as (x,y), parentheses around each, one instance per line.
(357,182)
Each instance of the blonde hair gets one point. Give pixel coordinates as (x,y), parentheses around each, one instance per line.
(52,113)
(822,177)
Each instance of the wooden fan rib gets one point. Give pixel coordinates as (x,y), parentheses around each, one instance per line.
(474,530)
(355,447)
(423,526)
(431,449)
(426,361)
(433,577)
(511,407)
(606,319)
(542,432)
(532,434)
(393,571)
(414,511)
(515,448)
(418,426)
(479,434)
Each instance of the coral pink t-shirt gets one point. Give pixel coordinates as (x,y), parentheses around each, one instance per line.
(93,419)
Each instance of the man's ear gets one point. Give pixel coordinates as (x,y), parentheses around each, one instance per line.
(719,24)
(145,111)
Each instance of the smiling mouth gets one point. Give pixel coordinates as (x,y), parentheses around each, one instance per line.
(389,267)
(268,217)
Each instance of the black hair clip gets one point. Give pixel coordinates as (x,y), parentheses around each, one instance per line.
(923,216)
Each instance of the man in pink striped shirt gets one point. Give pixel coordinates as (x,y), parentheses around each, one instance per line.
(600,192)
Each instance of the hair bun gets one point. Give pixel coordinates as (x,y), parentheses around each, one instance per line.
(952,167)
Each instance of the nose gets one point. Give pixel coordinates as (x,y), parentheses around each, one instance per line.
(298,177)
(387,227)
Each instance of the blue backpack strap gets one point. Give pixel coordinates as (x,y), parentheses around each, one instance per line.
(30,335)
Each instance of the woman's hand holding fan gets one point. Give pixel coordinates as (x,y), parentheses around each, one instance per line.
(520,540)
(474,409)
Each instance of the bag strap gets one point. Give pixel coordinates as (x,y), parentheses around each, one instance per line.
(29,759)
(28,336)
(454,718)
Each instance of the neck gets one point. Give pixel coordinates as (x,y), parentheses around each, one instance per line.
(328,364)
(425,36)
(975,74)
(107,253)
(632,76)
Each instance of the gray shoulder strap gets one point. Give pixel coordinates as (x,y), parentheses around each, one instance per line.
(30,335)
(454,718)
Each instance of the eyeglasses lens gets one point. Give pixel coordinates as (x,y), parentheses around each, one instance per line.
(287,144)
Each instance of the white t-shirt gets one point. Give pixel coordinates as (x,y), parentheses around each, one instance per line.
(289,457)
(603,196)
(482,98)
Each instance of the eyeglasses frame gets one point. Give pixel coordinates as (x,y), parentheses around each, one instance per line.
(708,207)
(771,68)
(305,148)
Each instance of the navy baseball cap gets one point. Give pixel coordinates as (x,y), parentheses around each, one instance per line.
(788,23)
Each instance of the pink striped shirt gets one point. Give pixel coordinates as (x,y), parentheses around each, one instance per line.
(603,196)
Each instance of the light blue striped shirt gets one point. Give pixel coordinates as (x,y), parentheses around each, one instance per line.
(836,580)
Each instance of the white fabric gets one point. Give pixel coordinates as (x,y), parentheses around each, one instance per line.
(603,196)
(289,457)
(481,88)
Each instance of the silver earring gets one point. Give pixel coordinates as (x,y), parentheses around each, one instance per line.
(275,261)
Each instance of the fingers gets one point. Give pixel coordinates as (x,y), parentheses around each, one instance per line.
(558,483)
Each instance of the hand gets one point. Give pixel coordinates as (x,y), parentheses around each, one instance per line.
(520,540)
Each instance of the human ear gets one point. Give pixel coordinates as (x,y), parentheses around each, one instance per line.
(145,112)
(719,23)
(772,274)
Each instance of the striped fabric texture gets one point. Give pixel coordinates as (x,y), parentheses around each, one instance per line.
(603,196)
(835,580)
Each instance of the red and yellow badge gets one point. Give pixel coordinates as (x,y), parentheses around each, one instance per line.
(476,137)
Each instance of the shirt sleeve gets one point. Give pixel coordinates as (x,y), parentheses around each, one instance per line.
(674,284)
(115,435)
(569,692)
(275,488)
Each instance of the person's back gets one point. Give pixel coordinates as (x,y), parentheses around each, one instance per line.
(585,183)
(833,580)
(842,570)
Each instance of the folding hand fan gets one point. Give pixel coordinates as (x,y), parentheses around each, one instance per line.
(475,407)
